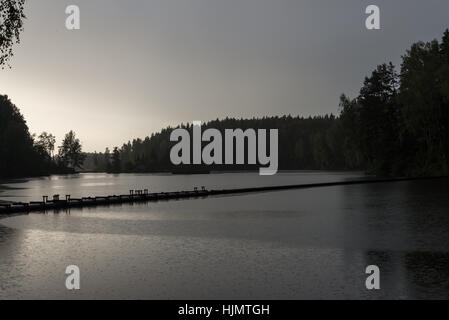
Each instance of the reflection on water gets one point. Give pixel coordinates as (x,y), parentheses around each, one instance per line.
(311,243)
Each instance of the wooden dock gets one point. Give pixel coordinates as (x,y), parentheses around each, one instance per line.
(136,196)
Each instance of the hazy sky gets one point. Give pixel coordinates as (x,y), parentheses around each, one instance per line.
(137,66)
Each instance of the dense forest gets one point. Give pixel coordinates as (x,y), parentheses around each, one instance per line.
(398,125)
(304,143)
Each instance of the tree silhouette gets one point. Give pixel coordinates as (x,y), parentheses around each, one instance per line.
(20,155)
(70,152)
(16,144)
(116,163)
(46,141)
(11,25)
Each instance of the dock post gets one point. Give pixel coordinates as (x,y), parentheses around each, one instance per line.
(67,198)
(44,199)
(56,197)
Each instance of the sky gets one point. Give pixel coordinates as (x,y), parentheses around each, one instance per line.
(135,67)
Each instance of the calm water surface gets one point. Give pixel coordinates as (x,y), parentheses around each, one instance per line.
(311,243)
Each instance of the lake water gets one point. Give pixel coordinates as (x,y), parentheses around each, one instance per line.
(295,244)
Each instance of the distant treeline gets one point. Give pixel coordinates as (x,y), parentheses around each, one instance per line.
(305,143)
(397,126)
(23,154)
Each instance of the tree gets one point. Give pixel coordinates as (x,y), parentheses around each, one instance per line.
(425,104)
(95,160)
(107,160)
(46,141)
(378,119)
(11,25)
(19,157)
(350,130)
(70,152)
(116,163)
(16,144)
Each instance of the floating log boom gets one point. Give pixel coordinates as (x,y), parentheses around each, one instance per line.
(135,196)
